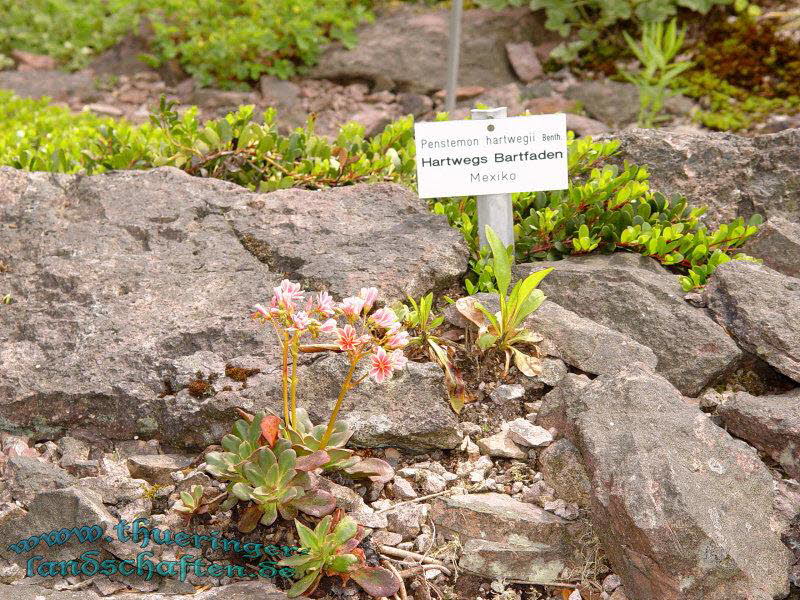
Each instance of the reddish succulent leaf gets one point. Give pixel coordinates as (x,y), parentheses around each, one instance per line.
(374,469)
(376,581)
(312,461)
(249,519)
(317,503)
(269,429)
(351,545)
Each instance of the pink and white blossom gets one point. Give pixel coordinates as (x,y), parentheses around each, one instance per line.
(369,295)
(286,294)
(399,339)
(262,311)
(398,359)
(382,367)
(325,304)
(351,307)
(348,339)
(384,317)
(328,326)
(300,321)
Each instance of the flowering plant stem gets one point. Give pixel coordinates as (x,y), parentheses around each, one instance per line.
(342,393)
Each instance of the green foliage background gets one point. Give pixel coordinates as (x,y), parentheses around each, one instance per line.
(606,208)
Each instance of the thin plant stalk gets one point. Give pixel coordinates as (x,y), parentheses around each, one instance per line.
(342,393)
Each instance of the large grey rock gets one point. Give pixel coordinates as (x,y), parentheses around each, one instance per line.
(770,423)
(58,85)
(777,243)
(120,280)
(732,175)
(409,411)
(28,476)
(611,102)
(761,309)
(507,538)
(355,236)
(406,48)
(634,295)
(157,468)
(683,511)
(56,510)
(585,344)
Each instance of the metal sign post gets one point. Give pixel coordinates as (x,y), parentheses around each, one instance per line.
(453,51)
(495,210)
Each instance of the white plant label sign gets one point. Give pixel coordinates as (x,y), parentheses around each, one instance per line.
(492,156)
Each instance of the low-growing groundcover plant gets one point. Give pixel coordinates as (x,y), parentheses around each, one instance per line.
(603,203)
(221,42)
(606,209)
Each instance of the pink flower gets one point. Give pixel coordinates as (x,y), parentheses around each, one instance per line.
(262,311)
(348,340)
(328,326)
(300,321)
(398,340)
(369,295)
(398,359)
(286,294)
(325,304)
(351,307)
(384,317)
(381,366)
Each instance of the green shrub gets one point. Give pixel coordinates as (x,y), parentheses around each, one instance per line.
(69,30)
(222,43)
(591,17)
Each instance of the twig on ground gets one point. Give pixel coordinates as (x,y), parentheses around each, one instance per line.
(403,594)
(417,568)
(397,552)
(412,501)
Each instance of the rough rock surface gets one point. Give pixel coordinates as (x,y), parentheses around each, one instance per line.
(732,175)
(681,508)
(585,344)
(761,309)
(777,243)
(120,280)
(770,423)
(563,470)
(634,295)
(500,529)
(407,49)
(346,238)
(611,102)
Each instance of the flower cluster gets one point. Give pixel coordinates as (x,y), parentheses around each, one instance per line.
(377,334)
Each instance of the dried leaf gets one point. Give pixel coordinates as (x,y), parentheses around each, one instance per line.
(249,519)
(527,364)
(374,469)
(466,306)
(269,429)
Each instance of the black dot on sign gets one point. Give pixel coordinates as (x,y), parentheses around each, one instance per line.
(490,127)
